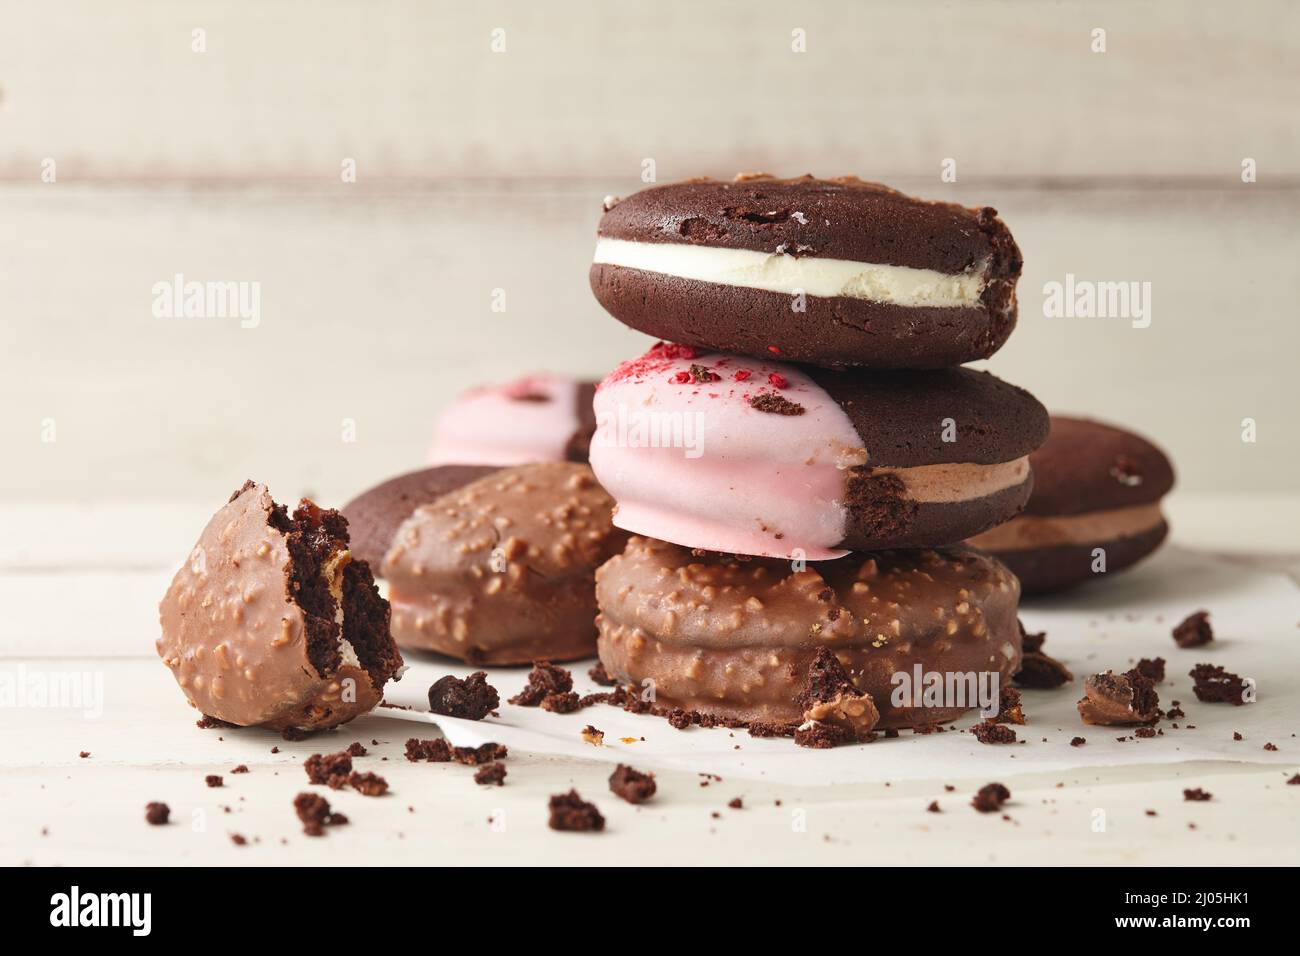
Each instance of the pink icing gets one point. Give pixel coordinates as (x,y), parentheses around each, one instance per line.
(725,476)
(530,419)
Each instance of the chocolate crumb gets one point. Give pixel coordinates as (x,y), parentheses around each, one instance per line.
(763,728)
(819,736)
(736,803)
(566,703)
(213,780)
(357,749)
(210,723)
(1078,741)
(476,756)
(293,734)
(1145,732)
(1030,643)
(238,839)
(774,404)
(156,813)
(329,769)
(543,680)
(84,754)
(1194,631)
(570,812)
(933,807)
(314,812)
(491,773)
(990,798)
(1270,747)
(600,676)
(434,751)
(1294,781)
(1040,672)
(1151,669)
(1197,794)
(632,785)
(1213,685)
(994,734)
(369,784)
(472,698)
(242,768)
(1237,736)
(1009,708)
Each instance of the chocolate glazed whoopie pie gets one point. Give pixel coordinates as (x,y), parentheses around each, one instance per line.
(1095,487)
(836,272)
(740,455)
(273,622)
(497,567)
(736,638)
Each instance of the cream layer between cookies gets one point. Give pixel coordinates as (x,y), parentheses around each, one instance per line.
(793,274)
(1045,531)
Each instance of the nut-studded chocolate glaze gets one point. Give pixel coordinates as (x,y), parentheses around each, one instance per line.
(501,570)
(735,637)
(842,218)
(250,623)
(375,515)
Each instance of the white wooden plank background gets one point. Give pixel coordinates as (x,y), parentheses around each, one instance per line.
(411,88)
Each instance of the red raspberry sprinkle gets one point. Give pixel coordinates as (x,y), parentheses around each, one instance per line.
(681,378)
(777,380)
(672,350)
(775,350)
(742,375)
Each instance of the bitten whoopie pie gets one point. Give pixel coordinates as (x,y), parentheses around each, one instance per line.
(1095,508)
(736,638)
(741,455)
(541,417)
(500,569)
(832,272)
(273,622)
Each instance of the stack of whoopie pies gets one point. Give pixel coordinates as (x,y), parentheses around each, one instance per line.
(802,455)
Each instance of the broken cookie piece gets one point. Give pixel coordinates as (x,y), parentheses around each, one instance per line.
(830,698)
(271,621)
(472,698)
(1117,700)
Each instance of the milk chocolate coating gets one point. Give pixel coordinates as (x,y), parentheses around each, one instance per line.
(249,628)
(375,515)
(841,218)
(735,638)
(501,570)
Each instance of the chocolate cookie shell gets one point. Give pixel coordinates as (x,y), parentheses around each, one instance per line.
(833,272)
(375,515)
(1097,493)
(500,571)
(272,622)
(735,638)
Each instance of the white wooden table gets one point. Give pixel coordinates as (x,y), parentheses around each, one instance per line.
(80,587)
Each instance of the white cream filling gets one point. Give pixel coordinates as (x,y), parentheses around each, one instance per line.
(811,275)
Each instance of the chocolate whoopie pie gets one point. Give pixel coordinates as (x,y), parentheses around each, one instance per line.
(272,621)
(738,638)
(740,455)
(1097,489)
(540,417)
(498,570)
(832,272)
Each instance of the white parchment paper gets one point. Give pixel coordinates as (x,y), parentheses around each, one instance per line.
(1105,625)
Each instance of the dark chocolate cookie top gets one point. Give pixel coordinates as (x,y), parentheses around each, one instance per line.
(945,416)
(1090,466)
(840,218)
